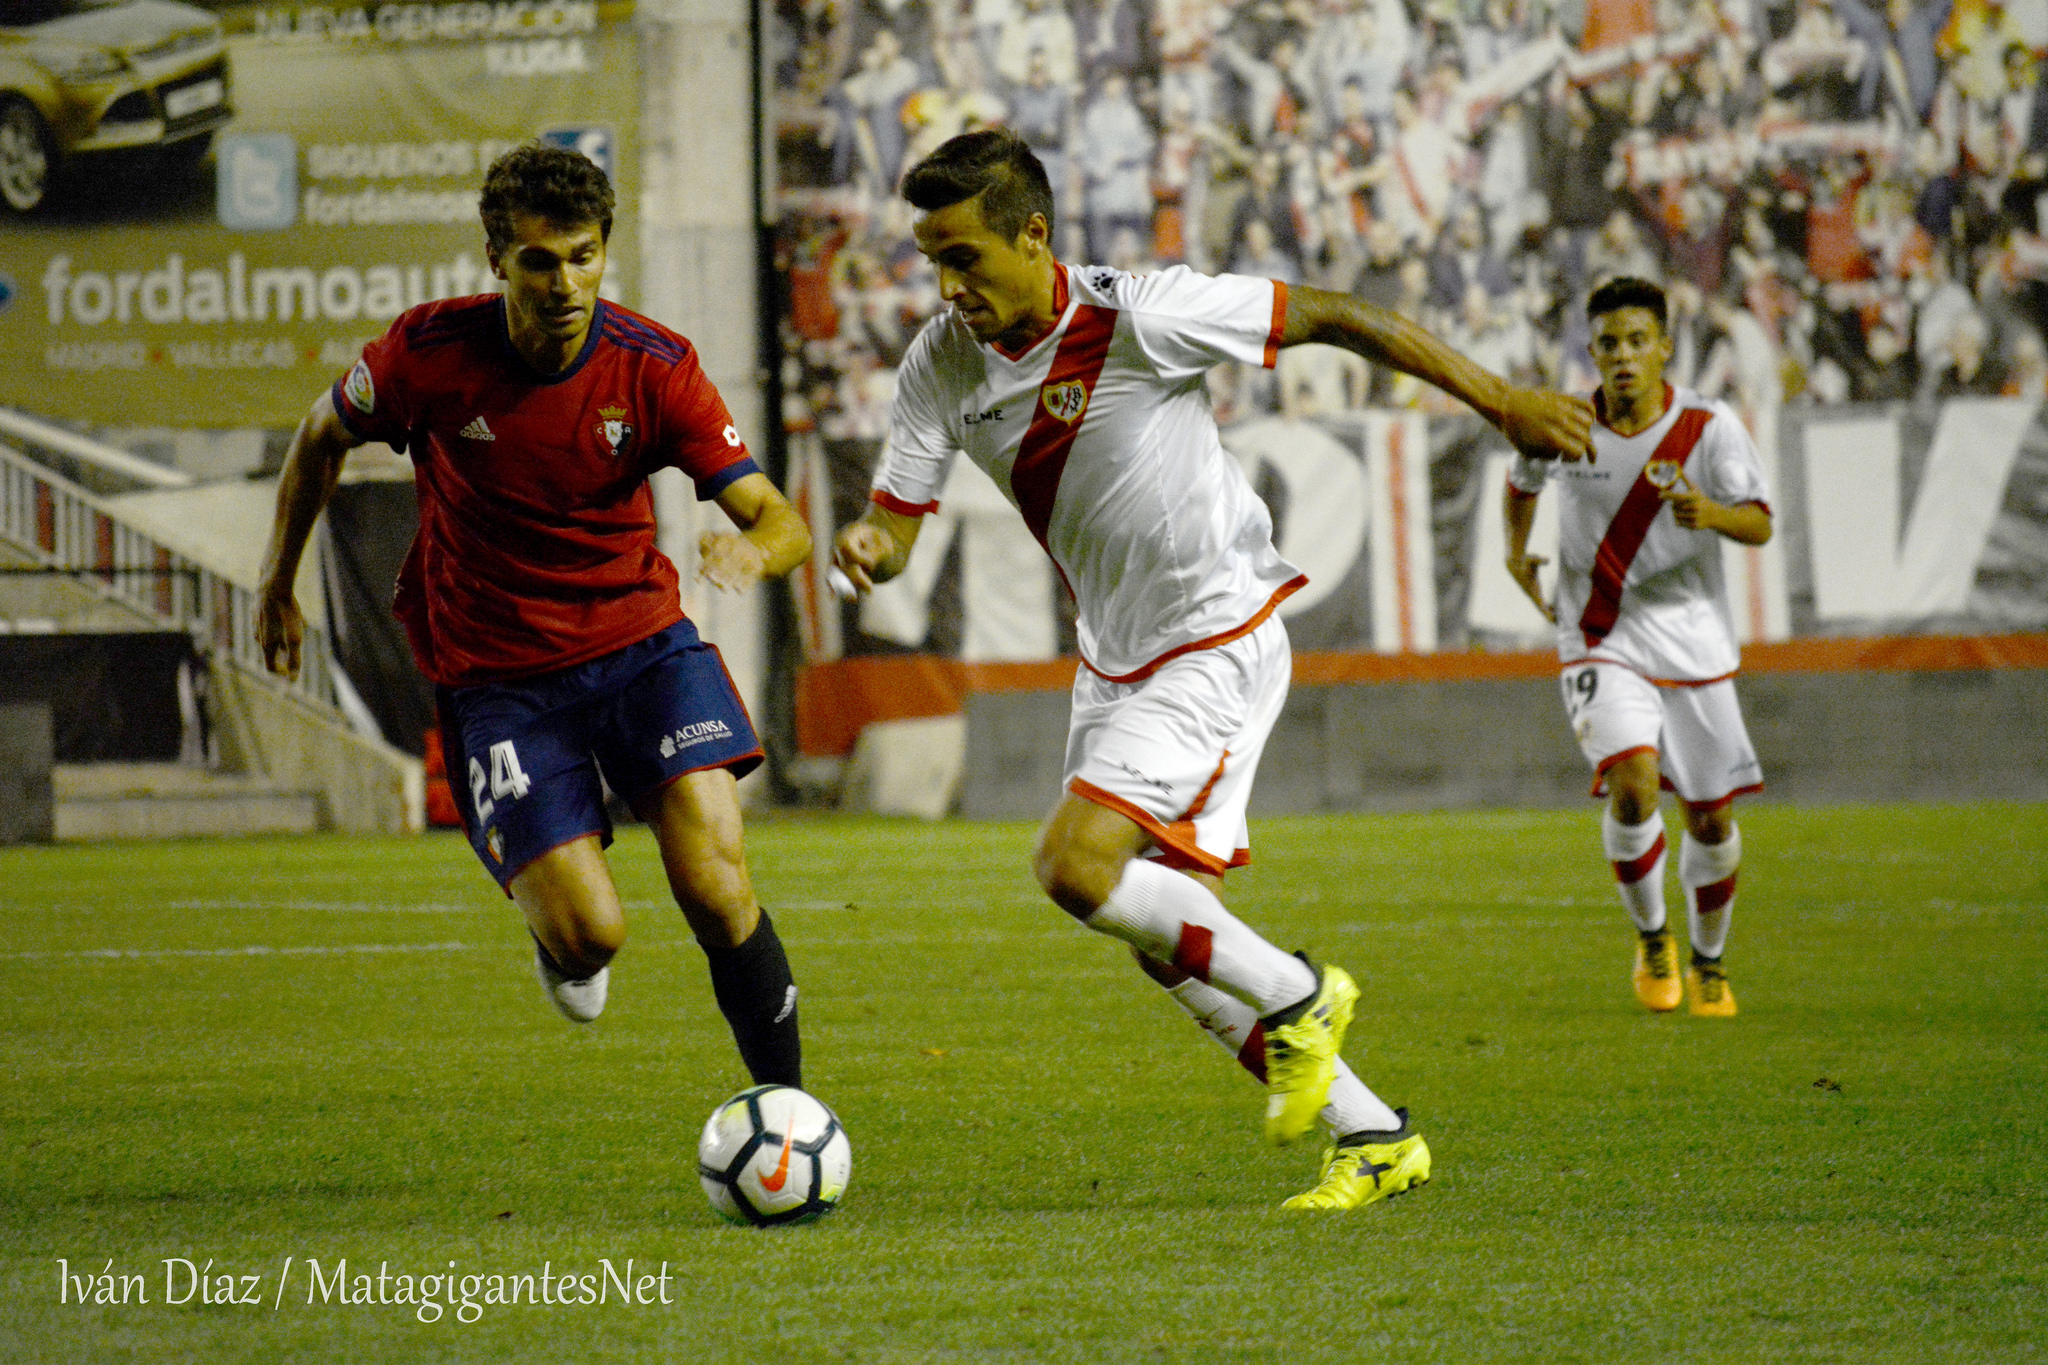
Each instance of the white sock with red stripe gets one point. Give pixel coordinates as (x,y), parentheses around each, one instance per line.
(1637,853)
(1707,872)
(1351,1108)
(1175,919)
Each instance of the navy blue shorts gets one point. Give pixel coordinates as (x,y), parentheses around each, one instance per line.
(523,756)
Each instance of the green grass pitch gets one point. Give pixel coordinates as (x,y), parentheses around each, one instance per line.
(245,1052)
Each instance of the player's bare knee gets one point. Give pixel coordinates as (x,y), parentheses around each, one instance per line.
(1632,807)
(1078,879)
(588,945)
(1635,787)
(1710,824)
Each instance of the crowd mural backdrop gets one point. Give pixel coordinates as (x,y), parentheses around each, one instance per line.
(1844,201)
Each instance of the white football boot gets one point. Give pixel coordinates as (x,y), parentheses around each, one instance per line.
(581,1001)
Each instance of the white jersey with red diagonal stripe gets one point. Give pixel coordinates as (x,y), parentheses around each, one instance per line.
(1102,436)
(1634,586)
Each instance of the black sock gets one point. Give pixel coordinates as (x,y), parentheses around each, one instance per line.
(757,995)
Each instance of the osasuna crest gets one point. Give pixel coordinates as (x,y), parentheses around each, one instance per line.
(1066,401)
(615,429)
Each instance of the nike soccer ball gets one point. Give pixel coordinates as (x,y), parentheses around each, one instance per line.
(773,1154)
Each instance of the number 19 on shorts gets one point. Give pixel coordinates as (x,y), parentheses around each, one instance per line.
(506,778)
(1579,688)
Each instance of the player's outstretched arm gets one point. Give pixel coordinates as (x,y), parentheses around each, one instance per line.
(312,467)
(1538,422)
(772,540)
(1519,515)
(877,547)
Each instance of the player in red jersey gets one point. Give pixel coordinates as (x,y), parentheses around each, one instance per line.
(537,603)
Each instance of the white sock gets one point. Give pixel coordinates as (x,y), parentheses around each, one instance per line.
(1175,919)
(1707,872)
(1637,853)
(1351,1108)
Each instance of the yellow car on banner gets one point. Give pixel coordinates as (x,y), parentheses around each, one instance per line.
(85,76)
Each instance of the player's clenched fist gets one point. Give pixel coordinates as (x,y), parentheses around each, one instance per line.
(860,549)
(1522,568)
(280,630)
(1543,424)
(1690,508)
(728,561)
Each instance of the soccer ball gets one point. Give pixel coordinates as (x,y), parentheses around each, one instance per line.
(773,1154)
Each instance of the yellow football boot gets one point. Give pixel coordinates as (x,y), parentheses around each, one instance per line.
(1365,1168)
(1657,984)
(1706,990)
(1301,1055)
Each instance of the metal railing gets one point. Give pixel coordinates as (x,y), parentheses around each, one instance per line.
(67,530)
(37,434)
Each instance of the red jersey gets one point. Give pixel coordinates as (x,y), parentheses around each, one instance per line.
(536,541)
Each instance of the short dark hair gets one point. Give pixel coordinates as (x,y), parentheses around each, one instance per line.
(992,162)
(567,188)
(1626,291)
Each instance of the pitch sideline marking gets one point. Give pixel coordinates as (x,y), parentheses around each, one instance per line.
(251,950)
(354,907)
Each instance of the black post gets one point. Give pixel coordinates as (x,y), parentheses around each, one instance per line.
(28,805)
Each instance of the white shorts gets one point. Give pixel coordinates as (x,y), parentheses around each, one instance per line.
(1176,752)
(1695,729)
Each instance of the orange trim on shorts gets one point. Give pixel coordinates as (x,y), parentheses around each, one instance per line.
(1720,801)
(1208,788)
(1172,843)
(1689,682)
(1168,858)
(1654,681)
(1280,594)
(1185,826)
(1600,768)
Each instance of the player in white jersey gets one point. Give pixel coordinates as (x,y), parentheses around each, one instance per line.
(1081,393)
(1646,637)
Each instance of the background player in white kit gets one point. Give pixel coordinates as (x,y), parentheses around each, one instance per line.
(1081,393)
(1646,636)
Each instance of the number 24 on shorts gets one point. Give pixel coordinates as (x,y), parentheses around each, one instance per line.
(507,779)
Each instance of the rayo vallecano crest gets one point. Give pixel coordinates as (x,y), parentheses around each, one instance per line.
(1664,473)
(615,429)
(1066,401)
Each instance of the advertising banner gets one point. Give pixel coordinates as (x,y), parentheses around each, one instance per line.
(206,211)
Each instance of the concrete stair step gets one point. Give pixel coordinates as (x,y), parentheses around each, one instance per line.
(171,801)
(104,781)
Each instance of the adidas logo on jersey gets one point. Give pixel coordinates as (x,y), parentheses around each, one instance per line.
(477,431)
